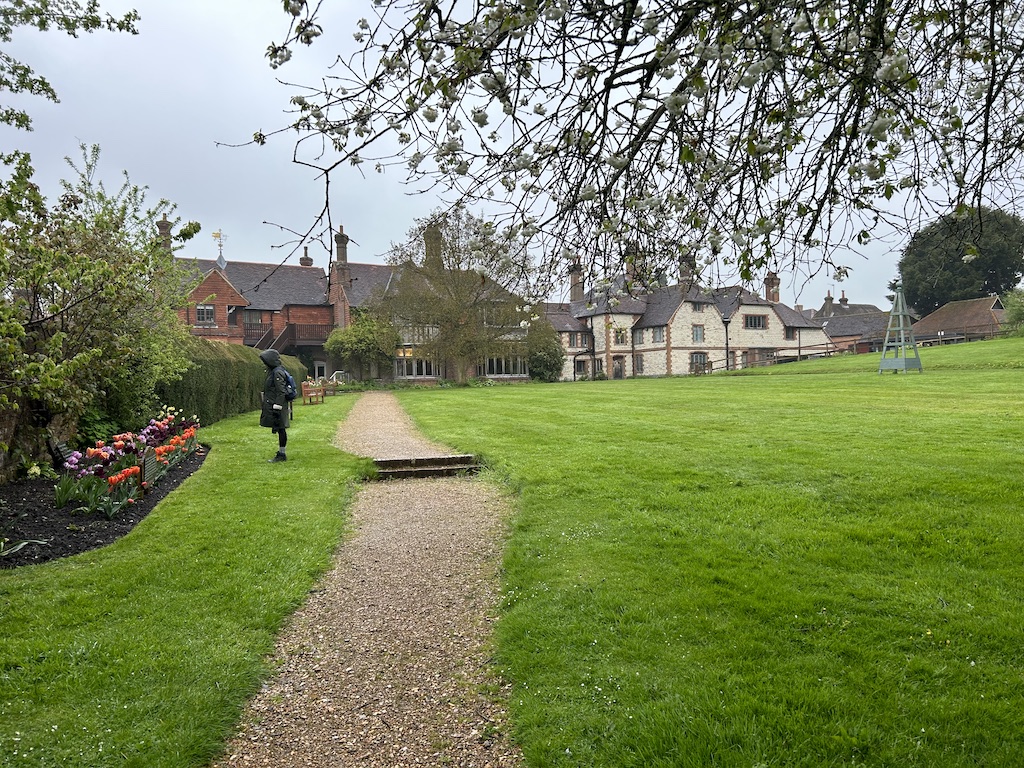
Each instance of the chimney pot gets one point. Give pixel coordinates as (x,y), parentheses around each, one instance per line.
(305,260)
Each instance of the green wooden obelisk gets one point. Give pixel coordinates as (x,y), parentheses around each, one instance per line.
(900,350)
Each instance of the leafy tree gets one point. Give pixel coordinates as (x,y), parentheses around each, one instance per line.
(545,354)
(87,307)
(455,293)
(1013,303)
(368,341)
(743,134)
(962,257)
(69,16)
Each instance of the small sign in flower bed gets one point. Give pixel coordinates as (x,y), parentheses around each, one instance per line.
(116,473)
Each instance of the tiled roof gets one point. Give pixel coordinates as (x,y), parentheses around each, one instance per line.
(864,325)
(663,303)
(615,300)
(658,307)
(368,280)
(728,300)
(793,319)
(270,286)
(562,318)
(842,307)
(970,316)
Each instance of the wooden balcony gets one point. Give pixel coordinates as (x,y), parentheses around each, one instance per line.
(311,334)
(299,334)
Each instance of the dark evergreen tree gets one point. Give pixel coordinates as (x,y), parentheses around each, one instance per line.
(962,257)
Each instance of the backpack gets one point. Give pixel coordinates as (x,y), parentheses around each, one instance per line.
(290,392)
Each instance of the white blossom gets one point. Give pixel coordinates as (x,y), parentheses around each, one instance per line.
(893,67)
(879,129)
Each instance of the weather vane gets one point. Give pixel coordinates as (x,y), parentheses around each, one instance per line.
(220,237)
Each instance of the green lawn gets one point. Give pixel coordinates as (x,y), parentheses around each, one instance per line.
(144,653)
(772,570)
(722,570)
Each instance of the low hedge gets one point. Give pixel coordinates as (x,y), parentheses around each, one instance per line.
(225,379)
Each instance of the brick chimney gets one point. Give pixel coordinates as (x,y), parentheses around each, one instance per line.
(687,270)
(826,308)
(163,228)
(341,245)
(771,287)
(305,260)
(340,281)
(843,300)
(576,281)
(433,245)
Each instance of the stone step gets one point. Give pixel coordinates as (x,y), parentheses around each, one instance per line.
(429,466)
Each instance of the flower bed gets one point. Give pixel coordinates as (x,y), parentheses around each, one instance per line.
(115,473)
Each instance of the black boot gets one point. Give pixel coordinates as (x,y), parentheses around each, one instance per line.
(279,456)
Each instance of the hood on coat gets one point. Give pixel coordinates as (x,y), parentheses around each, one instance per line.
(271,358)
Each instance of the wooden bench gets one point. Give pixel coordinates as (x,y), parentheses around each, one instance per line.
(311,393)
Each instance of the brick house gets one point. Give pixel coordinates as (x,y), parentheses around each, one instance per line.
(293,309)
(678,329)
(290,308)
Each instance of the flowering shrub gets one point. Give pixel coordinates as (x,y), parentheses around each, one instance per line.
(115,473)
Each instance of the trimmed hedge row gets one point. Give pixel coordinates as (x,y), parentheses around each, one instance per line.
(225,379)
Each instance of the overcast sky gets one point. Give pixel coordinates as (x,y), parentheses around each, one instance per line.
(196,75)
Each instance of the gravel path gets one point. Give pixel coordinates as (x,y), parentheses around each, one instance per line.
(385,663)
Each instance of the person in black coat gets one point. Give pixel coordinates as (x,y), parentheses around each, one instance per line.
(276,412)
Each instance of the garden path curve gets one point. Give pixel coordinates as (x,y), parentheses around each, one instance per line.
(384,665)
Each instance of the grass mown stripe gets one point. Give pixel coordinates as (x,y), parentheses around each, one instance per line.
(777,570)
(143,653)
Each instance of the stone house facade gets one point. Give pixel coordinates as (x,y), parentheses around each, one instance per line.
(678,330)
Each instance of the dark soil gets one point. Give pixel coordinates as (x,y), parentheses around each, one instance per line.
(28,511)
